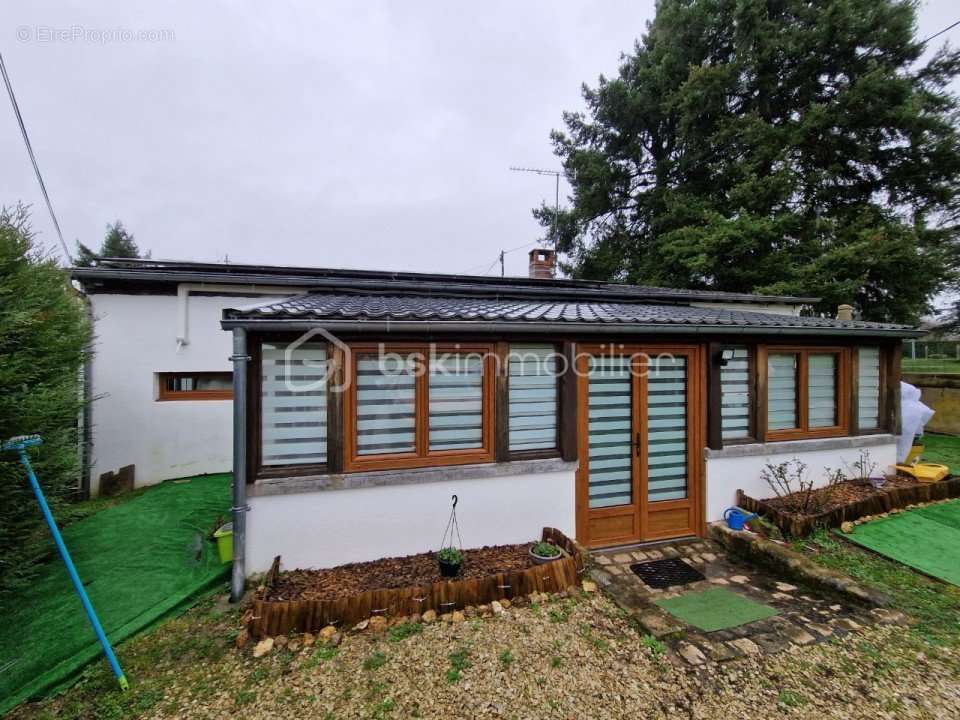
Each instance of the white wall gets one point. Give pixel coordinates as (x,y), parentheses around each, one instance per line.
(725,475)
(332,527)
(135,338)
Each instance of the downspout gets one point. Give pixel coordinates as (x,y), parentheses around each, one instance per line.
(240,360)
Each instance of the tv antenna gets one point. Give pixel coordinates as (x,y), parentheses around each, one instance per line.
(556,210)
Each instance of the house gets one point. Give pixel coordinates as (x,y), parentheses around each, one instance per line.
(362,401)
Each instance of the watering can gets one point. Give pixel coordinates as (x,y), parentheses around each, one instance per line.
(737,518)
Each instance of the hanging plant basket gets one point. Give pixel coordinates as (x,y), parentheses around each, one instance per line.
(450,558)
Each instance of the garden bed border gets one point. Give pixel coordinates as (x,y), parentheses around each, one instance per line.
(885,500)
(269,618)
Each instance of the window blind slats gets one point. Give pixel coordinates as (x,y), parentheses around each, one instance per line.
(868,379)
(735,395)
(386,406)
(667,429)
(781,391)
(532,389)
(456,402)
(293,401)
(821,390)
(610,432)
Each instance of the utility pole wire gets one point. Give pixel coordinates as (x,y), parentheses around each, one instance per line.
(949,27)
(33,158)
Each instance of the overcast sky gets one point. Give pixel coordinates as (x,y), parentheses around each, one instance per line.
(341,134)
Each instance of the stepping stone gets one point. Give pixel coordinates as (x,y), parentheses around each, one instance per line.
(615,570)
(740,579)
(889,617)
(696,559)
(655,555)
(622,558)
(820,629)
(785,587)
(770,644)
(658,623)
(836,608)
(639,556)
(709,557)
(719,581)
(603,559)
(671,552)
(781,596)
(798,636)
(745,646)
(692,654)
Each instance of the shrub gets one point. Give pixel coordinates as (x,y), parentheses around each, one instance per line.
(43,340)
(451,555)
(545,549)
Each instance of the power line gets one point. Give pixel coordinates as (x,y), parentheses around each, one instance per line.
(498,259)
(33,158)
(946,29)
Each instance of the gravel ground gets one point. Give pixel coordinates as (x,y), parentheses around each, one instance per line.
(564,659)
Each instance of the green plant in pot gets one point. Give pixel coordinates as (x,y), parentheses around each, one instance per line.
(543,552)
(451,561)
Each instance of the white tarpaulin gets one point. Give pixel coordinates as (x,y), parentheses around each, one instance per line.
(914,415)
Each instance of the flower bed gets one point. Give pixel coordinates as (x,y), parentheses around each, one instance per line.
(850,501)
(308,600)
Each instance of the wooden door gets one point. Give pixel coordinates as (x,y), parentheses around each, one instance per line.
(640,443)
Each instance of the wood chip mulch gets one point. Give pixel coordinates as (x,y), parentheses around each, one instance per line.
(825,499)
(397,572)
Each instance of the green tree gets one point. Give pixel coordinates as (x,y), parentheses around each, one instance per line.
(770,146)
(118,243)
(43,339)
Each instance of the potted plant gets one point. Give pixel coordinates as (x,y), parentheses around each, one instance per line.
(450,560)
(543,552)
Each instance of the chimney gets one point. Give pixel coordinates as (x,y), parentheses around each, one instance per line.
(543,264)
(844,312)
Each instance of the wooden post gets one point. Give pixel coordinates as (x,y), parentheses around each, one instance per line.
(714,396)
(894,356)
(568,404)
(501,451)
(335,423)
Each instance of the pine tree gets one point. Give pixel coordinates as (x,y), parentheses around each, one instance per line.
(771,146)
(118,243)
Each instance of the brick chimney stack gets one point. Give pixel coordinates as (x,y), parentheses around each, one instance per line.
(845,312)
(543,264)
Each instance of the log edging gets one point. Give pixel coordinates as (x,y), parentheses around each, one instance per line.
(270,618)
(884,501)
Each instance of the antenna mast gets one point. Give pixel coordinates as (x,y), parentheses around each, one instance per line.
(556,210)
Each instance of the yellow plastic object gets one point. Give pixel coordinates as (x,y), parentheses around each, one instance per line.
(914,455)
(224,538)
(925,472)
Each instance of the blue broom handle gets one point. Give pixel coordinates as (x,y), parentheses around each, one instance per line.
(77,584)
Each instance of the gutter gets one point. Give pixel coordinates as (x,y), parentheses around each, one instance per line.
(461,326)
(183,300)
(240,508)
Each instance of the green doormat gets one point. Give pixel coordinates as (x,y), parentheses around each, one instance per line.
(141,560)
(926,539)
(715,609)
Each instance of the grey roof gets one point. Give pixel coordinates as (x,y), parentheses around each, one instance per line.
(490,313)
(147,275)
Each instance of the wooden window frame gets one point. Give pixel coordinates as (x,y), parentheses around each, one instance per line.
(504,421)
(881,426)
(422,456)
(165,395)
(843,393)
(752,435)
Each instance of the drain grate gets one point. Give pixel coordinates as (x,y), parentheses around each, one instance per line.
(666,573)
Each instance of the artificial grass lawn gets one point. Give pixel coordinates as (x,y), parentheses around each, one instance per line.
(715,609)
(927,539)
(139,560)
(944,449)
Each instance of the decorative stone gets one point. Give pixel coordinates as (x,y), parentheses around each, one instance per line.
(692,654)
(458,617)
(243,637)
(505,603)
(785,587)
(746,646)
(446,617)
(361,626)
(484,610)
(719,581)
(496,608)
(280,641)
(781,596)
(589,586)
(798,636)
(263,647)
(740,579)
(430,616)
(846,527)
(294,645)
(378,623)
(416,618)
(820,629)
(470,611)
(309,639)
(327,632)
(847,624)
(335,639)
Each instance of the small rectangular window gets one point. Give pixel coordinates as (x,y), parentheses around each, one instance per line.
(735,394)
(293,404)
(782,372)
(822,391)
(532,389)
(196,386)
(868,387)
(386,405)
(456,402)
